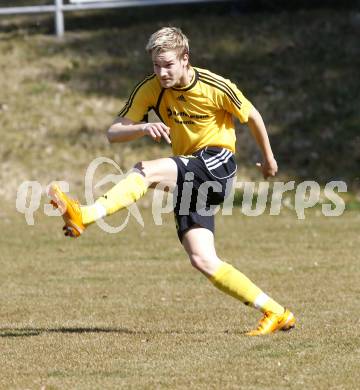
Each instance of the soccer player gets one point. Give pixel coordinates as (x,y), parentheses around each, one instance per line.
(196,109)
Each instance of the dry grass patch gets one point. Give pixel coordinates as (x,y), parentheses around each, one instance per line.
(128,311)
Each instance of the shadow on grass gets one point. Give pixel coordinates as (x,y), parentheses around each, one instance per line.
(119,18)
(33,331)
(28,332)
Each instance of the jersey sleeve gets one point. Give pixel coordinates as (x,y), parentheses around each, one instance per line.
(231,99)
(141,100)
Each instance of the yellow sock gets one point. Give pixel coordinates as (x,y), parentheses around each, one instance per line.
(122,195)
(231,281)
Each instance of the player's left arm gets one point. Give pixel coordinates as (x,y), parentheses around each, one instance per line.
(230,98)
(256,124)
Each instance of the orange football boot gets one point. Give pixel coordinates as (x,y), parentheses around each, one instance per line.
(272,322)
(70,210)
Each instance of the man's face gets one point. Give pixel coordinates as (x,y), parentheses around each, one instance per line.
(170,70)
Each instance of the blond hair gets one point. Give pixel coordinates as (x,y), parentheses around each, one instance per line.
(168,39)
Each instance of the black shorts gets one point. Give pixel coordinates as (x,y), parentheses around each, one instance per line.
(204,180)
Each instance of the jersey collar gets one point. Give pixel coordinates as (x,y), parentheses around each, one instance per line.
(191,84)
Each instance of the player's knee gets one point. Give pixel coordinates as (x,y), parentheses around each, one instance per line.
(140,167)
(202,263)
(146,169)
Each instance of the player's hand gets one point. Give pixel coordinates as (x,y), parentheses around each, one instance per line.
(157,131)
(268,168)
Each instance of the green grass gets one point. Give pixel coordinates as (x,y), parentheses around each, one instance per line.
(128,310)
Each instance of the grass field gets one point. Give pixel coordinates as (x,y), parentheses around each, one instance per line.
(106,311)
(127,310)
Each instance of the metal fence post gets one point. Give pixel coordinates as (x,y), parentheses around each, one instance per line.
(58,8)
(59,18)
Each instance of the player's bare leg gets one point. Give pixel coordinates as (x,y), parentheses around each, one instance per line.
(199,245)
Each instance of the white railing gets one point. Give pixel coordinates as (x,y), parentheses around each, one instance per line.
(58,8)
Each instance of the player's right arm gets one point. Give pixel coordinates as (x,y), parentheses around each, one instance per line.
(129,124)
(125,130)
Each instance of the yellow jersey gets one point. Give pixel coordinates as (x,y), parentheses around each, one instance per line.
(199,114)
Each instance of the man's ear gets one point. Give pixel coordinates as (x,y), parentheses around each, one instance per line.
(185,58)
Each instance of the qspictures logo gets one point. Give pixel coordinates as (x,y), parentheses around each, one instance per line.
(257,198)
